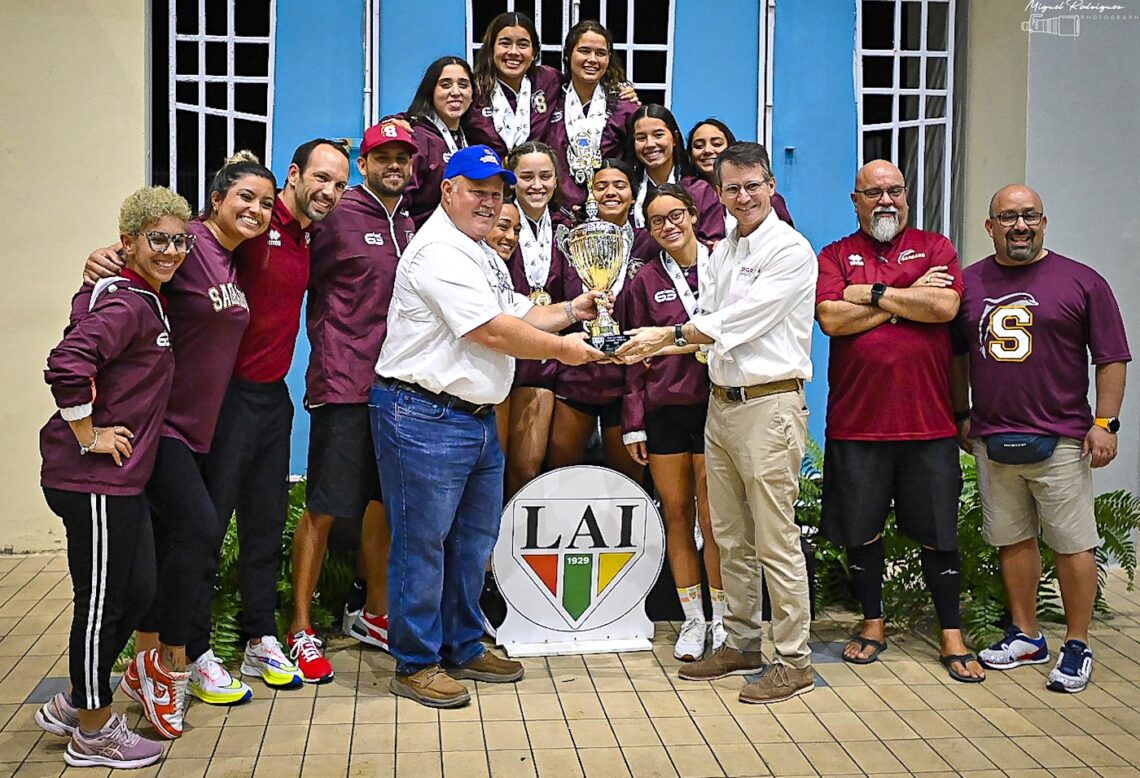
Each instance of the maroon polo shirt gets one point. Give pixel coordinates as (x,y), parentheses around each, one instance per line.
(891,382)
(652,384)
(208,316)
(479,127)
(570,192)
(541,373)
(117,357)
(273,269)
(1030,331)
(354,257)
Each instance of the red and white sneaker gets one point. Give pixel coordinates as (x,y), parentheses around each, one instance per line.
(160,692)
(370,629)
(305,650)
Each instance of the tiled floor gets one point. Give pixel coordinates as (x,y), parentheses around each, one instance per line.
(610,715)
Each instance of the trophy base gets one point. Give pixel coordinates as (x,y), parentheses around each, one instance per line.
(608,344)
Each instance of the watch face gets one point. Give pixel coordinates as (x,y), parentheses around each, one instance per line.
(1113,424)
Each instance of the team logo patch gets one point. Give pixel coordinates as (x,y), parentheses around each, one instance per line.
(556,117)
(489,159)
(855,260)
(163,340)
(908,254)
(274,238)
(539,101)
(665,295)
(374,238)
(488,112)
(1005,328)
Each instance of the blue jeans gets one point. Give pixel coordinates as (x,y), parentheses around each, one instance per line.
(441,471)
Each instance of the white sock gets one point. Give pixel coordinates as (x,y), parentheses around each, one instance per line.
(718,603)
(691,603)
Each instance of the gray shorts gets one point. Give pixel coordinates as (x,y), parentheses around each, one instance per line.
(1053,498)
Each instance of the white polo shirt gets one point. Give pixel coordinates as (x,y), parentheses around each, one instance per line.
(446,286)
(757,296)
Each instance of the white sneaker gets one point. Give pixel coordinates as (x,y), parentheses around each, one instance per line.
(212,683)
(719,634)
(1073,670)
(267,660)
(691,642)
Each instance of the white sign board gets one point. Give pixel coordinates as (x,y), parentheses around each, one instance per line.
(579,549)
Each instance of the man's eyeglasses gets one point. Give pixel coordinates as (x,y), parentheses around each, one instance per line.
(161,241)
(752,188)
(676,216)
(875,193)
(1009,218)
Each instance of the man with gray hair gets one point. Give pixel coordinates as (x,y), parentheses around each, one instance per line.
(884,296)
(756,317)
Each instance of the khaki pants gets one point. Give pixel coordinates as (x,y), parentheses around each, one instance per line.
(753,451)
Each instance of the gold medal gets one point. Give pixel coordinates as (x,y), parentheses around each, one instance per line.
(539,296)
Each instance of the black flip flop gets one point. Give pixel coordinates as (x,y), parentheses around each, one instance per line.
(949,661)
(863,642)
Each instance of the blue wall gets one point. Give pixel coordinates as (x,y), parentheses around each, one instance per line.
(318,89)
(412,36)
(814,138)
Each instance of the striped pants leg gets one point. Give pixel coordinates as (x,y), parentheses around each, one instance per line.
(110,556)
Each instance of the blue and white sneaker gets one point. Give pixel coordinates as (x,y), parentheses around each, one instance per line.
(1014,650)
(1073,669)
(267,660)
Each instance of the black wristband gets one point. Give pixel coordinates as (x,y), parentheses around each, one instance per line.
(962,415)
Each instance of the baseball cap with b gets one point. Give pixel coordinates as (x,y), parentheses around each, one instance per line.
(386,132)
(477,163)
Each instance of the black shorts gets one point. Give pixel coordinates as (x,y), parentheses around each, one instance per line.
(676,429)
(342,475)
(861,478)
(609,413)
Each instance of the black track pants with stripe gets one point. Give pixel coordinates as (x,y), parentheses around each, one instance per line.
(110,556)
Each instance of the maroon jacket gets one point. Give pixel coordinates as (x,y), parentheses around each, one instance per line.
(116,359)
(652,384)
(353,270)
(595,383)
(570,191)
(422,194)
(541,373)
(478,126)
(208,317)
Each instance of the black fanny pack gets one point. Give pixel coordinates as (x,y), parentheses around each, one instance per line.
(1020,448)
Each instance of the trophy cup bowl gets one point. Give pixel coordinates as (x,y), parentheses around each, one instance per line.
(597,250)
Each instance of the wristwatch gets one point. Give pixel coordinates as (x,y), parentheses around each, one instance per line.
(878,289)
(679,338)
(1112,424)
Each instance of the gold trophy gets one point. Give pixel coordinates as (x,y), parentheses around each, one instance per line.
(596,248)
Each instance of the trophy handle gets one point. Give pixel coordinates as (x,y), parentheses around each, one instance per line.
(627,231)
(562,239)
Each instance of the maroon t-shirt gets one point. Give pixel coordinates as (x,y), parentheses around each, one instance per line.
(652,384)
(595,383)
(541,373)
(354,256)
(273,269)
(891,382)
(570,192)
(117,357)
(479,127)
(1031,331)
(208,316)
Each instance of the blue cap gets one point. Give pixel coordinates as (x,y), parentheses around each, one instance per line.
(477,163)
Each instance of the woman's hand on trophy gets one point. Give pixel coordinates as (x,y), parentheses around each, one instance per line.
(644,342)
(586,304)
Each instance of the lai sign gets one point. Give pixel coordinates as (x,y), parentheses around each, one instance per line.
(579,549)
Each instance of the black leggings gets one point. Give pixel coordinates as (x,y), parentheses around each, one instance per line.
(247,471)
(186,537)
(110,556)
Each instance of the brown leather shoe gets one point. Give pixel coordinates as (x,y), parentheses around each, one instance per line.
(726,661)
(432,687)
(778,682)
(489,668)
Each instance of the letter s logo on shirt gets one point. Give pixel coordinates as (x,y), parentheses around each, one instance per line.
(665,295)
(1004,330)
(374,238)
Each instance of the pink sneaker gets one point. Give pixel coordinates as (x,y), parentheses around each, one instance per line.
(370,629)
(113,746)
(58,716)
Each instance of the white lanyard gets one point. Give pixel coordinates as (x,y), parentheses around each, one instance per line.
(448,138)
(513,126)
(642,191)
(680,283)
(537,249)
(590,120)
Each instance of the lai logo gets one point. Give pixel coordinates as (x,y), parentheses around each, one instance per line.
(578,551)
